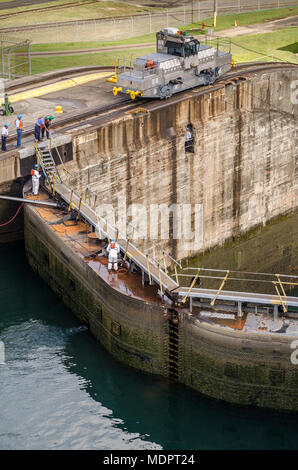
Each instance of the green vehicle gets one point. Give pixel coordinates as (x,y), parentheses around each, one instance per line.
(7,108)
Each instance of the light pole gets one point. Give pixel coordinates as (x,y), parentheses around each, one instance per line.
(214,13)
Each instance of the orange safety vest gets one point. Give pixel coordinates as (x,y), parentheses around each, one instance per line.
(20,123)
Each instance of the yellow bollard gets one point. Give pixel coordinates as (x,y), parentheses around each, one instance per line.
(59,109)
(113,79)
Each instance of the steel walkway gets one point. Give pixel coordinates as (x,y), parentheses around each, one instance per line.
(166,283)
(140,259)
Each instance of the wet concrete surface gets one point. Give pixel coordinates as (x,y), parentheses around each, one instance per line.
(76,235)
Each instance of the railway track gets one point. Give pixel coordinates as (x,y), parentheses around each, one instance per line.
(53,7)
(48,77)
(125,103)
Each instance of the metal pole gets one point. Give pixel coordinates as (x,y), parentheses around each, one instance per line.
(220,288)
(191,11)
(148,269)
(160,283)
(167,17)
(2,59)
(8,66)
(239,6)
(29,201)
(150,23)
(132,26)
(214,13)
(184,15)
(191,286)
(29,58)
(199,16)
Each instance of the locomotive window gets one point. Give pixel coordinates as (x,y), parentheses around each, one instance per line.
(191,49)
(175,51)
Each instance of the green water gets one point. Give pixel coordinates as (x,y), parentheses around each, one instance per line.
(59,389)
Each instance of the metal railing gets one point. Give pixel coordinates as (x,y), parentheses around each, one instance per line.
(90,198)
(15,59)
(227,275)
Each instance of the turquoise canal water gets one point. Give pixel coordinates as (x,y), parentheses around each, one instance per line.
(59,389)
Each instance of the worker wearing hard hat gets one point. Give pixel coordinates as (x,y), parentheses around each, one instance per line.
(19,128)
(47,122)
(4,135)
(113,250)
(35,179)
(40,123)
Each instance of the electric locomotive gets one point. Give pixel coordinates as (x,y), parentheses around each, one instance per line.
(181,62)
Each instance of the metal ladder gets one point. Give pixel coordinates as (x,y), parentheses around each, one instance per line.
(46,161)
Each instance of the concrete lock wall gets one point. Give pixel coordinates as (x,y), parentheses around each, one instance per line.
(251,369)
(245,368)
(130,329)
(242,171)
(10,185)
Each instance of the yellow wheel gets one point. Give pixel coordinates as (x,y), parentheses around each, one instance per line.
(132,95)
(115,91)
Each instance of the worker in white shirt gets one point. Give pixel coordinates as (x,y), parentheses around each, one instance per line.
(35,180)
(113,250)
(4,135)
(19,128)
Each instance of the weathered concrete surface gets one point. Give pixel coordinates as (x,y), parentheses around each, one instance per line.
(10,185)
(242,172)
(252,369)
(270,249)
